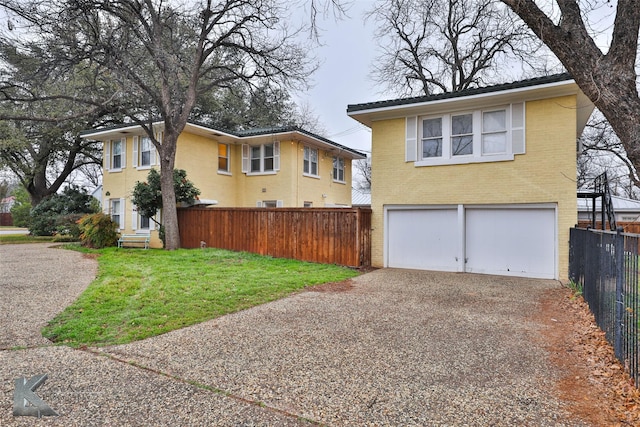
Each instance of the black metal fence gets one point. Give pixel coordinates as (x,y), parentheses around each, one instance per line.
(605,265)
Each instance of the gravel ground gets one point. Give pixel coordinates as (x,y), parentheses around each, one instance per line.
(398,348)
(37,281)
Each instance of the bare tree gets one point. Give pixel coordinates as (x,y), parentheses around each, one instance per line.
(607,76)
(164,56)
(363,173)
(440,46)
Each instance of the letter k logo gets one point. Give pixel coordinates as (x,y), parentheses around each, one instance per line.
(26,402)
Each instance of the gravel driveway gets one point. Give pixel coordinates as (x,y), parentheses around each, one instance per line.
(399,347)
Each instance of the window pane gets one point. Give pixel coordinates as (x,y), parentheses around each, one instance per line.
(314,168)
(117,162)
(268,164)
(461,145)
(268,150)
(222,150)
(305,167)
(462,125)
(432,148)
(494,143)
(144,222)
(117,147)
(222,164)
(431,128)
(145,158)
(494,121)
(255,159)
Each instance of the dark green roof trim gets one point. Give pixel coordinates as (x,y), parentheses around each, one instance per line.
(242,133)
(462,93)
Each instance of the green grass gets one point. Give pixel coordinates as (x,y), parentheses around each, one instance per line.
(143,293)
(6,239)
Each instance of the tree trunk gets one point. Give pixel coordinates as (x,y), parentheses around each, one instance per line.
(169,209)
(608,80)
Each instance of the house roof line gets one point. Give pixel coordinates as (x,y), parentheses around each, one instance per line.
(516,86)
(239,135)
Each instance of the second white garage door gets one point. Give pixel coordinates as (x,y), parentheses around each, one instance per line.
(506,240)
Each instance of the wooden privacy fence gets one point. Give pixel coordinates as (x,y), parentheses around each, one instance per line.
(6,219)
(327,235)
(629,227)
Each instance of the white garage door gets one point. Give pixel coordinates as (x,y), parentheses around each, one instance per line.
(422,239)
(511,240)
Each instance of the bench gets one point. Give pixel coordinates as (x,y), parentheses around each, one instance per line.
(133,240)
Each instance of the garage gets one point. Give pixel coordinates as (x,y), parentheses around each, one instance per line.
(511,240)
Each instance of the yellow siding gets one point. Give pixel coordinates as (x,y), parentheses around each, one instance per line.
(198,155)
(545,174)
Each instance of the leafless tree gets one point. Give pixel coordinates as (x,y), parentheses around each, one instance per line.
(438,46)
(608,76)
(363,174)
(164,55)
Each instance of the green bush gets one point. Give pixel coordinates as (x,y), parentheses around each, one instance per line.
(98,231)
(59,213)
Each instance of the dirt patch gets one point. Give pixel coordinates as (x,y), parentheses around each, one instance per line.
(344,286)
(595,385)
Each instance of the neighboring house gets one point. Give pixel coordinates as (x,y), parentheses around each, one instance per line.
(280,167)
(97,194)
(7,203)
(360,198)
(481,180)
(626,210)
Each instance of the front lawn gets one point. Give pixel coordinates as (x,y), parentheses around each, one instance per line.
(142,293)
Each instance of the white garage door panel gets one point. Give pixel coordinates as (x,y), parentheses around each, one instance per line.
(422,239)
(518,242)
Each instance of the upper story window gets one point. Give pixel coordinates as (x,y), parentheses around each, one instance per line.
(338,169)
(261,159)
(115,155)
(310,165)
(144,152)
(492,134)
(223,157)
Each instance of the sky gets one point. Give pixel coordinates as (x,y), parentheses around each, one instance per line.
(346,54)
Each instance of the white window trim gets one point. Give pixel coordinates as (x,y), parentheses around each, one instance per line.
(516,143)
(222,171)
(309,174)
(153,155)
(108,147)
(121,218)
(344,170)
(246,159)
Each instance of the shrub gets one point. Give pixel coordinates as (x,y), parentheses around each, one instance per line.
(98,231)
(59,213)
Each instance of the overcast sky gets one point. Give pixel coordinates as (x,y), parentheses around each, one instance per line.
(347,52)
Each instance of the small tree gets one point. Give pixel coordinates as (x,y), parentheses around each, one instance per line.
(98,230)
(20,212)
(147,196)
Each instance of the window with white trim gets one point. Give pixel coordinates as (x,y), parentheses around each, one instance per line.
(145,151)
(261,159)
(491,134)
(223,157)
(269,203)
(338,169)
(116,207)
(310,162)
(115,155)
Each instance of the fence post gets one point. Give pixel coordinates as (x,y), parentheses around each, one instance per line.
(619,305)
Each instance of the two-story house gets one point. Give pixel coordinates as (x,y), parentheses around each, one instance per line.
(480,180)
(280,167)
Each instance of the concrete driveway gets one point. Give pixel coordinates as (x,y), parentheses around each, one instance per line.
(397,348)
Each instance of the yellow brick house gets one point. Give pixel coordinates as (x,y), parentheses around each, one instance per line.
(279,167)
(482,180)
